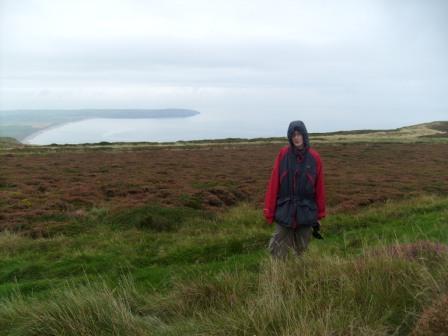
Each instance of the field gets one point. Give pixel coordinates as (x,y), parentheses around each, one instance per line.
(40,190)
(170,240)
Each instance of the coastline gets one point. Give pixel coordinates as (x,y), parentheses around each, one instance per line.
(28,138)
(33,122)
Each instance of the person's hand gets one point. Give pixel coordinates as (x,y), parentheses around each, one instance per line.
(316,231)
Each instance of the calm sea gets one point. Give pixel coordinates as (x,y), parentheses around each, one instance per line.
(159,130)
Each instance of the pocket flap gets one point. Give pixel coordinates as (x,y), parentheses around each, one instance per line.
(283,200)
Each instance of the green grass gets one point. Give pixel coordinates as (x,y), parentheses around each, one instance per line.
(177,271)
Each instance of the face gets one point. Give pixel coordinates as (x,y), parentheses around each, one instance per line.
(297,139)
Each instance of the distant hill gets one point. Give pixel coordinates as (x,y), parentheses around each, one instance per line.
(429,132)
(21,123)
(432,130)
(441,126)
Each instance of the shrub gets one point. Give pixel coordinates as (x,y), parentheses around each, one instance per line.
(152,218)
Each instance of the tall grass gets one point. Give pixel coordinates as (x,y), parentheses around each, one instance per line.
(313,295)
(388,282)
(92,309)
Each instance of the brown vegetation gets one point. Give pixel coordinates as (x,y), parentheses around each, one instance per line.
(36,188)
(434,319)
(423,249)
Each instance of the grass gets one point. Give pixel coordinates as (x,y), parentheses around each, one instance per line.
(159,271)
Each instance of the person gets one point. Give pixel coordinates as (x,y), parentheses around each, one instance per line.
(295,196)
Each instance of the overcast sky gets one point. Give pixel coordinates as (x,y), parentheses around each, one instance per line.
(334,64)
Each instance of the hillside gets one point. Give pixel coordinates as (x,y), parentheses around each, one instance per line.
(435,131)
(149,271)
(38,186)
(154,239)
(8,142)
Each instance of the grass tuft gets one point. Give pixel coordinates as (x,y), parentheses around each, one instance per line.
(92,309)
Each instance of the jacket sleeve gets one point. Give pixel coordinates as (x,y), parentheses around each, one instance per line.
(270,200)
(320,190)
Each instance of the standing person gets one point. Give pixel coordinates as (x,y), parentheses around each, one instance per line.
(295,197)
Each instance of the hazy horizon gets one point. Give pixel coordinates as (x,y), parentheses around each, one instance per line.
(343,65)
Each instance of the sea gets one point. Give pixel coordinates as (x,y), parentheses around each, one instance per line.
(199,127)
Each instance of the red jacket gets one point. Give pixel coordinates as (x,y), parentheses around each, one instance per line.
(270,203)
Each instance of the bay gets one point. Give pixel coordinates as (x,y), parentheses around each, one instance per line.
(154,130)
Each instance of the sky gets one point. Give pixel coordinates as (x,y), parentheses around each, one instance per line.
(337,65)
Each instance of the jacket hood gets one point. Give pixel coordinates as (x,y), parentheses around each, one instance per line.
(298,125)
